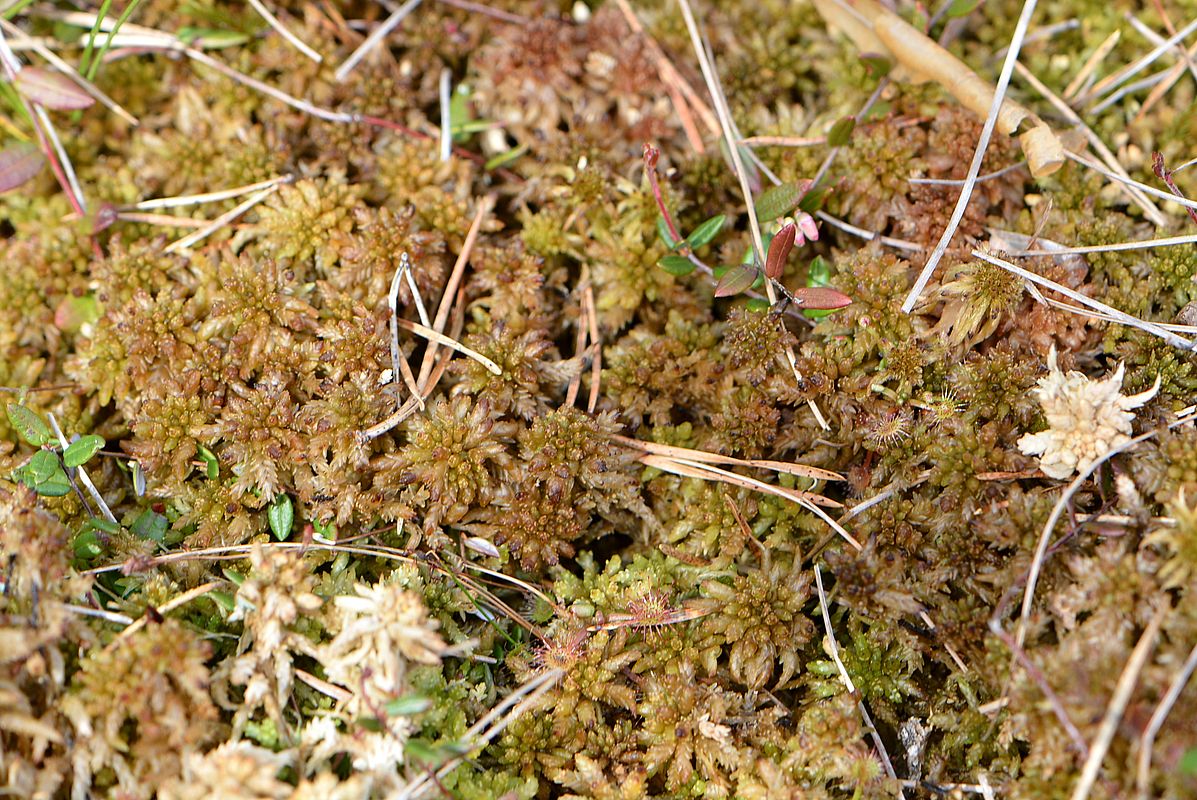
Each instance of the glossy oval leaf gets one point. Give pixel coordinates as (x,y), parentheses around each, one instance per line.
(51,89)
(822,297)
(43,465)
(82,449)
(737,279)
(841,132)
(666,236)
(407,705)
(19,164)
(780,200)
(758,304)
(779,251)
(676,265)
(706,232)
(56,485)
(29,424)
(282,517)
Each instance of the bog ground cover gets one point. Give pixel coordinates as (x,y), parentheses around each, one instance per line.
(609,400)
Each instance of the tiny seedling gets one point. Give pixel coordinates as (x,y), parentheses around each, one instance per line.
(46,471)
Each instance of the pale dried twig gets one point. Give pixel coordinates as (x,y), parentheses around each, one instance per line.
(290,37)
(1143,776)
(1118,703)
(846,679)
(375,37)
(974,169)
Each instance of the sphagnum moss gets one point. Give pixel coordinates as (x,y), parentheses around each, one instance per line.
(495,536)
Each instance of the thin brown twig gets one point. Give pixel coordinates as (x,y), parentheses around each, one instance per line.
(1053,699)
(447,299)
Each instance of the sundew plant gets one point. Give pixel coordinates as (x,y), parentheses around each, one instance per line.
(612,399)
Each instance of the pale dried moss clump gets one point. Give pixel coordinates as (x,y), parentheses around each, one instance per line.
(1086,419)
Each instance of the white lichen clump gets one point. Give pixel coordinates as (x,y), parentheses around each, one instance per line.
(1086,419)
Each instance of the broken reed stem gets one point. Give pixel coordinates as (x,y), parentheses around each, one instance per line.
(870,236)
(399,364)
(596,364)
(82,473)
(1147,743)
(1118,703)
(702,456)
(974,169)
(218,223)
(282,30)
(376,36)
(1091,64)
(1142,244)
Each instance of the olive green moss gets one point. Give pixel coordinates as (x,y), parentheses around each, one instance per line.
(682,614)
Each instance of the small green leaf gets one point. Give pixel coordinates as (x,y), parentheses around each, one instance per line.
(87,545)
(82,449)
(818,273)
(42,466)
(150,525)
(56,485)
(706,232)
(282,516)
(1188,761)
(506,157)
(780,200)
(225,600)
(737,279)
(877,64)
(663,232)
(29,424)
(407,705)
(841,132)
(758,304)
(211,463)
(232,576)
(962,8)
(812,201)
(101,524)
(676,265)
(210,38)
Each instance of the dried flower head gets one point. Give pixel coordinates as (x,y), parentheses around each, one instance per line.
(1086,419)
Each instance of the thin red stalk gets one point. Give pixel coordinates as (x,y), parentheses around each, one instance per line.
(650,169)
(1164,174)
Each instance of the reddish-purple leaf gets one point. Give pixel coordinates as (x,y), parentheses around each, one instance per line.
(822,298)
(51,89)
(779,251)
(19,164)
(737,279)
